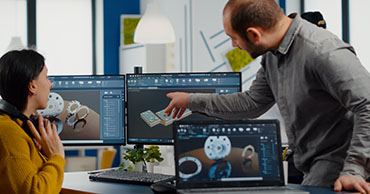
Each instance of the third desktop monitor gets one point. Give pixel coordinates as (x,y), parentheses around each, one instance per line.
(146,100)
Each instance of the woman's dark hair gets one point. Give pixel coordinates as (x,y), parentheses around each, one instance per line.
(17,70)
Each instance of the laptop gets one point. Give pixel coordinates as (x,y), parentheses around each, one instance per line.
(229,157)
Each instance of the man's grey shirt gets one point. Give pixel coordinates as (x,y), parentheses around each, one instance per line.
(322,91)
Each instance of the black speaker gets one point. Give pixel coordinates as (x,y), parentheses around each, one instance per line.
(13,112)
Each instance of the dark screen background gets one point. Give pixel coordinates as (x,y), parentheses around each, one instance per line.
(154,100)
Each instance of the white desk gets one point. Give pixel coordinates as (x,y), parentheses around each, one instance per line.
(79,183)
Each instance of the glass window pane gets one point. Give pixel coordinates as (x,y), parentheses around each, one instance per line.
(359,16)
(332,12)
(13,22)
(64,35)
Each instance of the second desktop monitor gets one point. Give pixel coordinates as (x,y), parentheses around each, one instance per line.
(146,100)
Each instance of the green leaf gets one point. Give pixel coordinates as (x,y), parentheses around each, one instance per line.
(150,154)
(122,166)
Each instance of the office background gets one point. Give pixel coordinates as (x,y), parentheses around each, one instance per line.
(83,36)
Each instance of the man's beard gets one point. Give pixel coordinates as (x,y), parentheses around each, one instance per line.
(256,51)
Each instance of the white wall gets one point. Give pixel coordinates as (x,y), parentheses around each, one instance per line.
(13,22)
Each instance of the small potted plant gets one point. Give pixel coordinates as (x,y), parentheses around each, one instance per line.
(136,156)
(152,156)
(148,155)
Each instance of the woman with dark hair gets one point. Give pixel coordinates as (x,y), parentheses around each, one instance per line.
(31,161)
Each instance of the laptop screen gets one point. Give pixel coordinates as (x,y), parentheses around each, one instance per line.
(228,153)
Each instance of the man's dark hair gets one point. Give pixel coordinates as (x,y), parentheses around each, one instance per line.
(17,70)
(248,13)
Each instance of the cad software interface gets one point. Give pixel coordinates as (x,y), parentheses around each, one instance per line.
(146,100)
(88,109)
(227,152)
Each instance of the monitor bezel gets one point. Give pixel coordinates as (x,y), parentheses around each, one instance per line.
(124,114)
(164,74)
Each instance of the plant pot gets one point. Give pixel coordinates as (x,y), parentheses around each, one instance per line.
(150,166)
(139,166)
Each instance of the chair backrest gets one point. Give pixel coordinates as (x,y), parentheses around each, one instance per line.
(107,158)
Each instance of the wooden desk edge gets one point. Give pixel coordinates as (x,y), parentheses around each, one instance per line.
(72,191)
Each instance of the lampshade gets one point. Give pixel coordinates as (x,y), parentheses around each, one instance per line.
(15,44)
(154,27)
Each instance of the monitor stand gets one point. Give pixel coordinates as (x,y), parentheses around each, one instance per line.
(138,146)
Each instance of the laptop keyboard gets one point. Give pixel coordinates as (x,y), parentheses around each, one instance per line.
(133,177)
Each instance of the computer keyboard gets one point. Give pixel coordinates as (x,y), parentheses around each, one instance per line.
(133,177)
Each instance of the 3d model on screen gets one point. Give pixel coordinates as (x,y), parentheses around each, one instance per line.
(54,108)
(76,114)
(153,119)
(220,169)
(189,166)
(216,148)
(220,156)
(150,118)
(248,153)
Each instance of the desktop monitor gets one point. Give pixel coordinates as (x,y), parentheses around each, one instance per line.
(88,109)
(146,100)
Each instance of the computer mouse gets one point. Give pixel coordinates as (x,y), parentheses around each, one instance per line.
(163,188)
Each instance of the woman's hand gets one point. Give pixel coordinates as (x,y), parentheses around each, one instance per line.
(47,137)
(38,146)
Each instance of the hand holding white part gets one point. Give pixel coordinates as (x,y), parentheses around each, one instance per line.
(47,137)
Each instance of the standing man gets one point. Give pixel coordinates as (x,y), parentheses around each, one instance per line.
(318,83)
